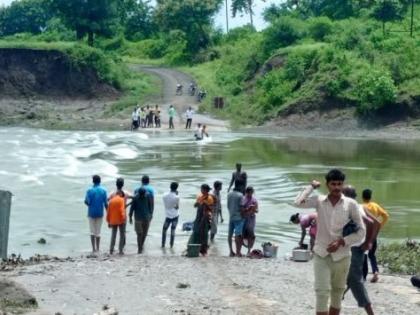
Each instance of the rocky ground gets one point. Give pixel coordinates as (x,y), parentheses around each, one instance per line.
(172,284)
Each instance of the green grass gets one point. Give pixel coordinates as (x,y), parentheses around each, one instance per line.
(205,76)
(403,258)
(140,88)
(143,61)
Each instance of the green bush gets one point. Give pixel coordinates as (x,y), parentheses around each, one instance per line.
(283,32)
(109,70)
(376,89)
(320,28)
(176,53)
(400,258)
(148,48)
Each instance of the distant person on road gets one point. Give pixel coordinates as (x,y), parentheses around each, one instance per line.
(332,248)
(96,200)
(142,118)
(116,215)
(189,115)
(377,212)
(355,278)
(306,221)
(135,119)
(239,175)
(236,220)
(171,113)
(157,116)
(142,209)
(178,89)
(150,119)
(204,205)
(217,187)
(147,122)
(249,210)
(171,203)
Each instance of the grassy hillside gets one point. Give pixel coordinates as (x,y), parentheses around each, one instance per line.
(303,65)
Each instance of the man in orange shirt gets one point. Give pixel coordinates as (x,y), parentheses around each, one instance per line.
(378,213)
(116,215)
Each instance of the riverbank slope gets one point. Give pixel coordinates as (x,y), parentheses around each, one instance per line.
(172,284)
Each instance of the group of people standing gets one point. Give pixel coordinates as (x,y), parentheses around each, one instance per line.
(342,232)
(241,204)
(145,117)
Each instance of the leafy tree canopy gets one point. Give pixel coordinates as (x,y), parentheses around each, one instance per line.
(193,17)
(25,16)
(91,17)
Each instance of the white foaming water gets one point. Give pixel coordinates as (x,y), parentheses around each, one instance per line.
(123,152)
(31,179)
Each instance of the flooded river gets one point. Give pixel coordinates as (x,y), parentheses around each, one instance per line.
(48,173)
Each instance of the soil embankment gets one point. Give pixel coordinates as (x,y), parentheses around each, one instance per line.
(43,88)
(47,74)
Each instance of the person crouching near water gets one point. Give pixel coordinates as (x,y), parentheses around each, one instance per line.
(97,201)
(236,220)
(355,278)
(332,250)
(249,211)
(204,205)
(142,209)
(116,215)
(306,221)
(171,203)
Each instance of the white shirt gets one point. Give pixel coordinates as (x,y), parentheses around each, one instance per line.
(135,115)
(189,114)
(171,202)
(331,220)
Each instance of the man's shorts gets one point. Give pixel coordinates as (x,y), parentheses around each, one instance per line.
(236,227)
(95,225)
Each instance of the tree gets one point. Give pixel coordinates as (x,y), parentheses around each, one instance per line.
(388,11)
(29,16)
(136,16)
(193,17)
(91,17)
(243,6)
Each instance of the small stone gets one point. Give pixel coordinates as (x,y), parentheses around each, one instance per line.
(42,241)
(183,285)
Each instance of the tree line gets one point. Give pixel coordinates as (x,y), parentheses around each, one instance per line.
(190,21)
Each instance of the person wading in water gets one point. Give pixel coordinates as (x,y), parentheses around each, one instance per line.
(239,176)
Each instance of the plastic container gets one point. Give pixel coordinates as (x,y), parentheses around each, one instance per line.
(301,255)
(193,250)
(270,250)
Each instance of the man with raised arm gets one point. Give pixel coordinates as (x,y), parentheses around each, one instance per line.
(332,246)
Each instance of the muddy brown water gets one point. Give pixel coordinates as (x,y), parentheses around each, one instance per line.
(49,172)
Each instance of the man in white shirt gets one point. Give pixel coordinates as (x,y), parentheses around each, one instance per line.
(171,203)
(189,115)
(135,118)
(198,133)
(332,248)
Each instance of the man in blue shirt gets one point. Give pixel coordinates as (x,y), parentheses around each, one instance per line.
(96,200)
(150,192)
